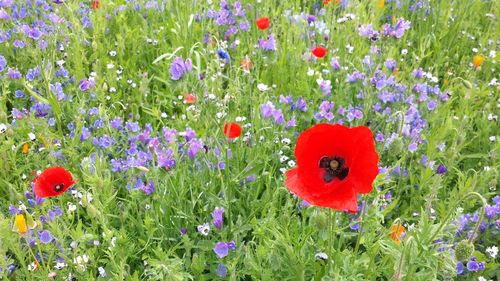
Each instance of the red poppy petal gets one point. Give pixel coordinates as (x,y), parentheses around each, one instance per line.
(342,198)
(364,167)
(232,130)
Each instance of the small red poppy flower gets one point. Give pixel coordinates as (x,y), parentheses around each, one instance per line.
(232,130)
(334,164)
(53,181)
(319,52)
(262,23)
(189,98)
(95,4)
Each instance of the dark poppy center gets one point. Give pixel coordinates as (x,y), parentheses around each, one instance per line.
(58,187)
(334,168)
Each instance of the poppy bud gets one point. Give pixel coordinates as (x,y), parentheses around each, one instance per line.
(396,147)
(464,250)
(198,263)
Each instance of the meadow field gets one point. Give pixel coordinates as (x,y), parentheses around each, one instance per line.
(249,140)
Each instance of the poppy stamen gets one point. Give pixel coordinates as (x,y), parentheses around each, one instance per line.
(58,187)
(334,168)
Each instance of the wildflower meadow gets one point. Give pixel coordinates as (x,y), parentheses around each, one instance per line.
(249,140)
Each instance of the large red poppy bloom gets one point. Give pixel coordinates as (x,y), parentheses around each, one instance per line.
(262,23)
(334,164)
(53,181)
(319,52)
(232,130)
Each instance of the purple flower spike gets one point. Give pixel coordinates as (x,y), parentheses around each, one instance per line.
(218,216)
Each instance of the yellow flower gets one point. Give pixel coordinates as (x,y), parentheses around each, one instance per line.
(22,227)
(477,60)
(380,4)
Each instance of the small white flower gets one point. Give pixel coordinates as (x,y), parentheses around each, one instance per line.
(474,50)
(492,54)
(32,266)
(284,158)
(60,265)
(112,90)
(404,52)
(262,87)
(492,117)
(110,65)
(283,170)
(112,53)
(492,251)
(310,72)
(493,138)
(32,136)
(163,115)
(3,128)
(349,48)
(486,168)
(286,141)
(240,119)
(219,115)
(102,272)
(291,163)
(204,229)
(321,256)
(71,207)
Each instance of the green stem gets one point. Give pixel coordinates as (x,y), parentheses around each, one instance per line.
(333,226)
(441,226)
(358,241)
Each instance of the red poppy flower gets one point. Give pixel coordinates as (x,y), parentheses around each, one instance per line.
(95,4)
(232,130)
(334,164)
(319,52)
(189,98)
(262,23)
(54,181)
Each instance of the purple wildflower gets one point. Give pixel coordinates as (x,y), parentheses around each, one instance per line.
(14,74)
(269,44)
(221,249)
(86,84)
(441,169)
(45,237)
(179,67)
(217,216)
(221,271)
(460,268)
(472,265)
(3,63)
